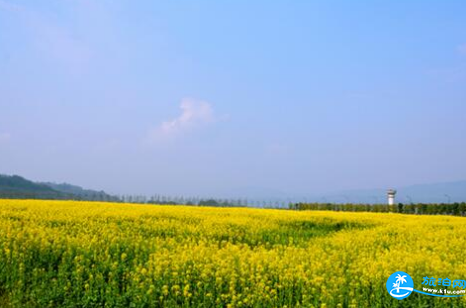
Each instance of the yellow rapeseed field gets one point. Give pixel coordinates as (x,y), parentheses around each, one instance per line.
(89,254)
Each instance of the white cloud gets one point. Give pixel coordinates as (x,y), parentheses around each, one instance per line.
(194,113)
(4,138)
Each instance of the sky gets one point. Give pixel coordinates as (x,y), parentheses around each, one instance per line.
(216,98)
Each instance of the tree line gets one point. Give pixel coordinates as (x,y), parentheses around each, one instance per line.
(456,209)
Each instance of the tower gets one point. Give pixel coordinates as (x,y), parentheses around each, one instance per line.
(391,196)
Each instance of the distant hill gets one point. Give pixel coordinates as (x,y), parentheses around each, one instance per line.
(85,194)
(17,187)
(422,193)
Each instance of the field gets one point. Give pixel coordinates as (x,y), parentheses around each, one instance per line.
(87,254)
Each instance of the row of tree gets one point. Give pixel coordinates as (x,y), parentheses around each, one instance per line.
(46,195)
(456,209)
(199,201)
(139,199)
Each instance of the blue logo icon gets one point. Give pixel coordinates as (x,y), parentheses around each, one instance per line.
(400,285)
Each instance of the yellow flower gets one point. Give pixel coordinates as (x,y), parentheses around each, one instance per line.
(219,256)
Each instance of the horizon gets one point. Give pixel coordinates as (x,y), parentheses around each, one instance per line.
(429,193)
(207,98)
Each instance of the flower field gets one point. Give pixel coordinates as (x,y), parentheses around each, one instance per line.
(88,254)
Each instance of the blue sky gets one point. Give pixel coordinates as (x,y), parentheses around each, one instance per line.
(218,98)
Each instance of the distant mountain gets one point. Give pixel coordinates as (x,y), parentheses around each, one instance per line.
(21,188)
(87,194)
(434,193)
(253,193)
(422,193)
(17,187)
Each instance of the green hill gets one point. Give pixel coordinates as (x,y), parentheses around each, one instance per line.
(17,187)
(85,194)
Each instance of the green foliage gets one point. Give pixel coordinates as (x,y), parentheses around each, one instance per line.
(455,209)
(16,187)
(86,254)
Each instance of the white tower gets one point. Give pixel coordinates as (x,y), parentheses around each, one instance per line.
(391,196)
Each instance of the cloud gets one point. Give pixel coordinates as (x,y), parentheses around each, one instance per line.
(194,114)
(4,138)
(10,6)
(60,44)
(277,148)
(53,39)
(462,49)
